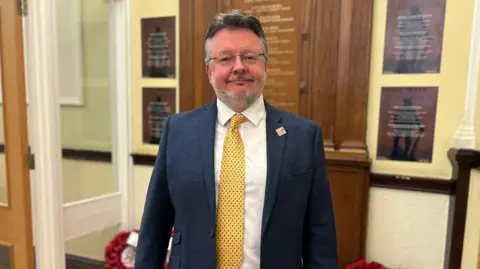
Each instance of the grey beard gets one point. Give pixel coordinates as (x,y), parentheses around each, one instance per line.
(243,100)
(248,97)
(238,102)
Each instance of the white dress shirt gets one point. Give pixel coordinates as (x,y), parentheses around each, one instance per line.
(253,133)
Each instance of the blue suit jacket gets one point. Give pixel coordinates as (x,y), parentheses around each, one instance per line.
(298,229)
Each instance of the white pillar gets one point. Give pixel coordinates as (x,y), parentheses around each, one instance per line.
(44,108)
(120,65)
(465,134)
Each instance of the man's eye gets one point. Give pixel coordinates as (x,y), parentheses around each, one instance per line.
(250,57)
(225,59)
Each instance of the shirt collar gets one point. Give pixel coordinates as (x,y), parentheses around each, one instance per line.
(254,113)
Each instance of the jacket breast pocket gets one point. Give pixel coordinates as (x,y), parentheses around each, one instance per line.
(299,176)
(294,191)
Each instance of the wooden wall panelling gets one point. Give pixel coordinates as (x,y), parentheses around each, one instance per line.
(305,103)
(322,71)
(224,5)
(195,17)
(203,16)
(186,83)
(353,75)
(349,184)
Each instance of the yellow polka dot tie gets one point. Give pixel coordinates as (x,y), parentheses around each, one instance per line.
(231,199)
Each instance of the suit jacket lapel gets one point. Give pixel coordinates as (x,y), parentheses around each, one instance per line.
(275,149)
(206,136)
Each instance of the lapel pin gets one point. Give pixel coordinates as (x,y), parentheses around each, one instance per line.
(281,131)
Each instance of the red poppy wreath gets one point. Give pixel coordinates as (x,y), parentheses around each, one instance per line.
(120,251)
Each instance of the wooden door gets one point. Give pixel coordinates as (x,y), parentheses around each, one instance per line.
(16,243)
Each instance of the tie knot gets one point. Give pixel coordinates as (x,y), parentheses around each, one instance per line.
(236,120)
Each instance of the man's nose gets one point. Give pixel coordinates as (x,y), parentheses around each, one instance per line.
(238,66)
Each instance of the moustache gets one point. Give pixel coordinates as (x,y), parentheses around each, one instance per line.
(242,78)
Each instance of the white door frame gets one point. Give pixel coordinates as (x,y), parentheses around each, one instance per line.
(120,64)
(55,222)
(44,111)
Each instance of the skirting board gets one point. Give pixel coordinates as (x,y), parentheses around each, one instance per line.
(78,262)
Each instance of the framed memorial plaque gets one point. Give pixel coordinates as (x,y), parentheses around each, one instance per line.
(414,36)
(158,47)
(281,20)
(407,124)
(157,105)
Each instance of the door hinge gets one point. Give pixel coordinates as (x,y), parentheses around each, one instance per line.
(22,8)
(31,161)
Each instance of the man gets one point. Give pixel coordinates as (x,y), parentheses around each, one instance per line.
(244,184)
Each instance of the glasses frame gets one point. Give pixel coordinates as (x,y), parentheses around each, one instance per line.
(242,57)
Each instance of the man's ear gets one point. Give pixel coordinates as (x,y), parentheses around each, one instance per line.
(208,69)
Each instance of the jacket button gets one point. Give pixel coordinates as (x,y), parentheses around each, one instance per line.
(211,232)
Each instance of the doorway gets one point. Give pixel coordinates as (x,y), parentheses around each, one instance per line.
(75,88)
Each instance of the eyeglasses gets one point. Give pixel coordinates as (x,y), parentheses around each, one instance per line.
(229,60)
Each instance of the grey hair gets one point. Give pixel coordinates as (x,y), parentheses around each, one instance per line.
(236,19)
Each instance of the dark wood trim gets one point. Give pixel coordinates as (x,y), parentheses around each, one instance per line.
(421,184)
(148,159)
(144,159)
(346,158)
(468,157)
(463,161)
(78,262)
(81,154)
(87,155)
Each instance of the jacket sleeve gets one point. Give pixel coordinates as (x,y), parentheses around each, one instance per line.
(319,242)
(158,214)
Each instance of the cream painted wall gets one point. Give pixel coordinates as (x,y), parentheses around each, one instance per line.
(82,180)
(91,245)
(89,127)
(148,9)
(85,179)
(477,116)
(405,228)
(142,179)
